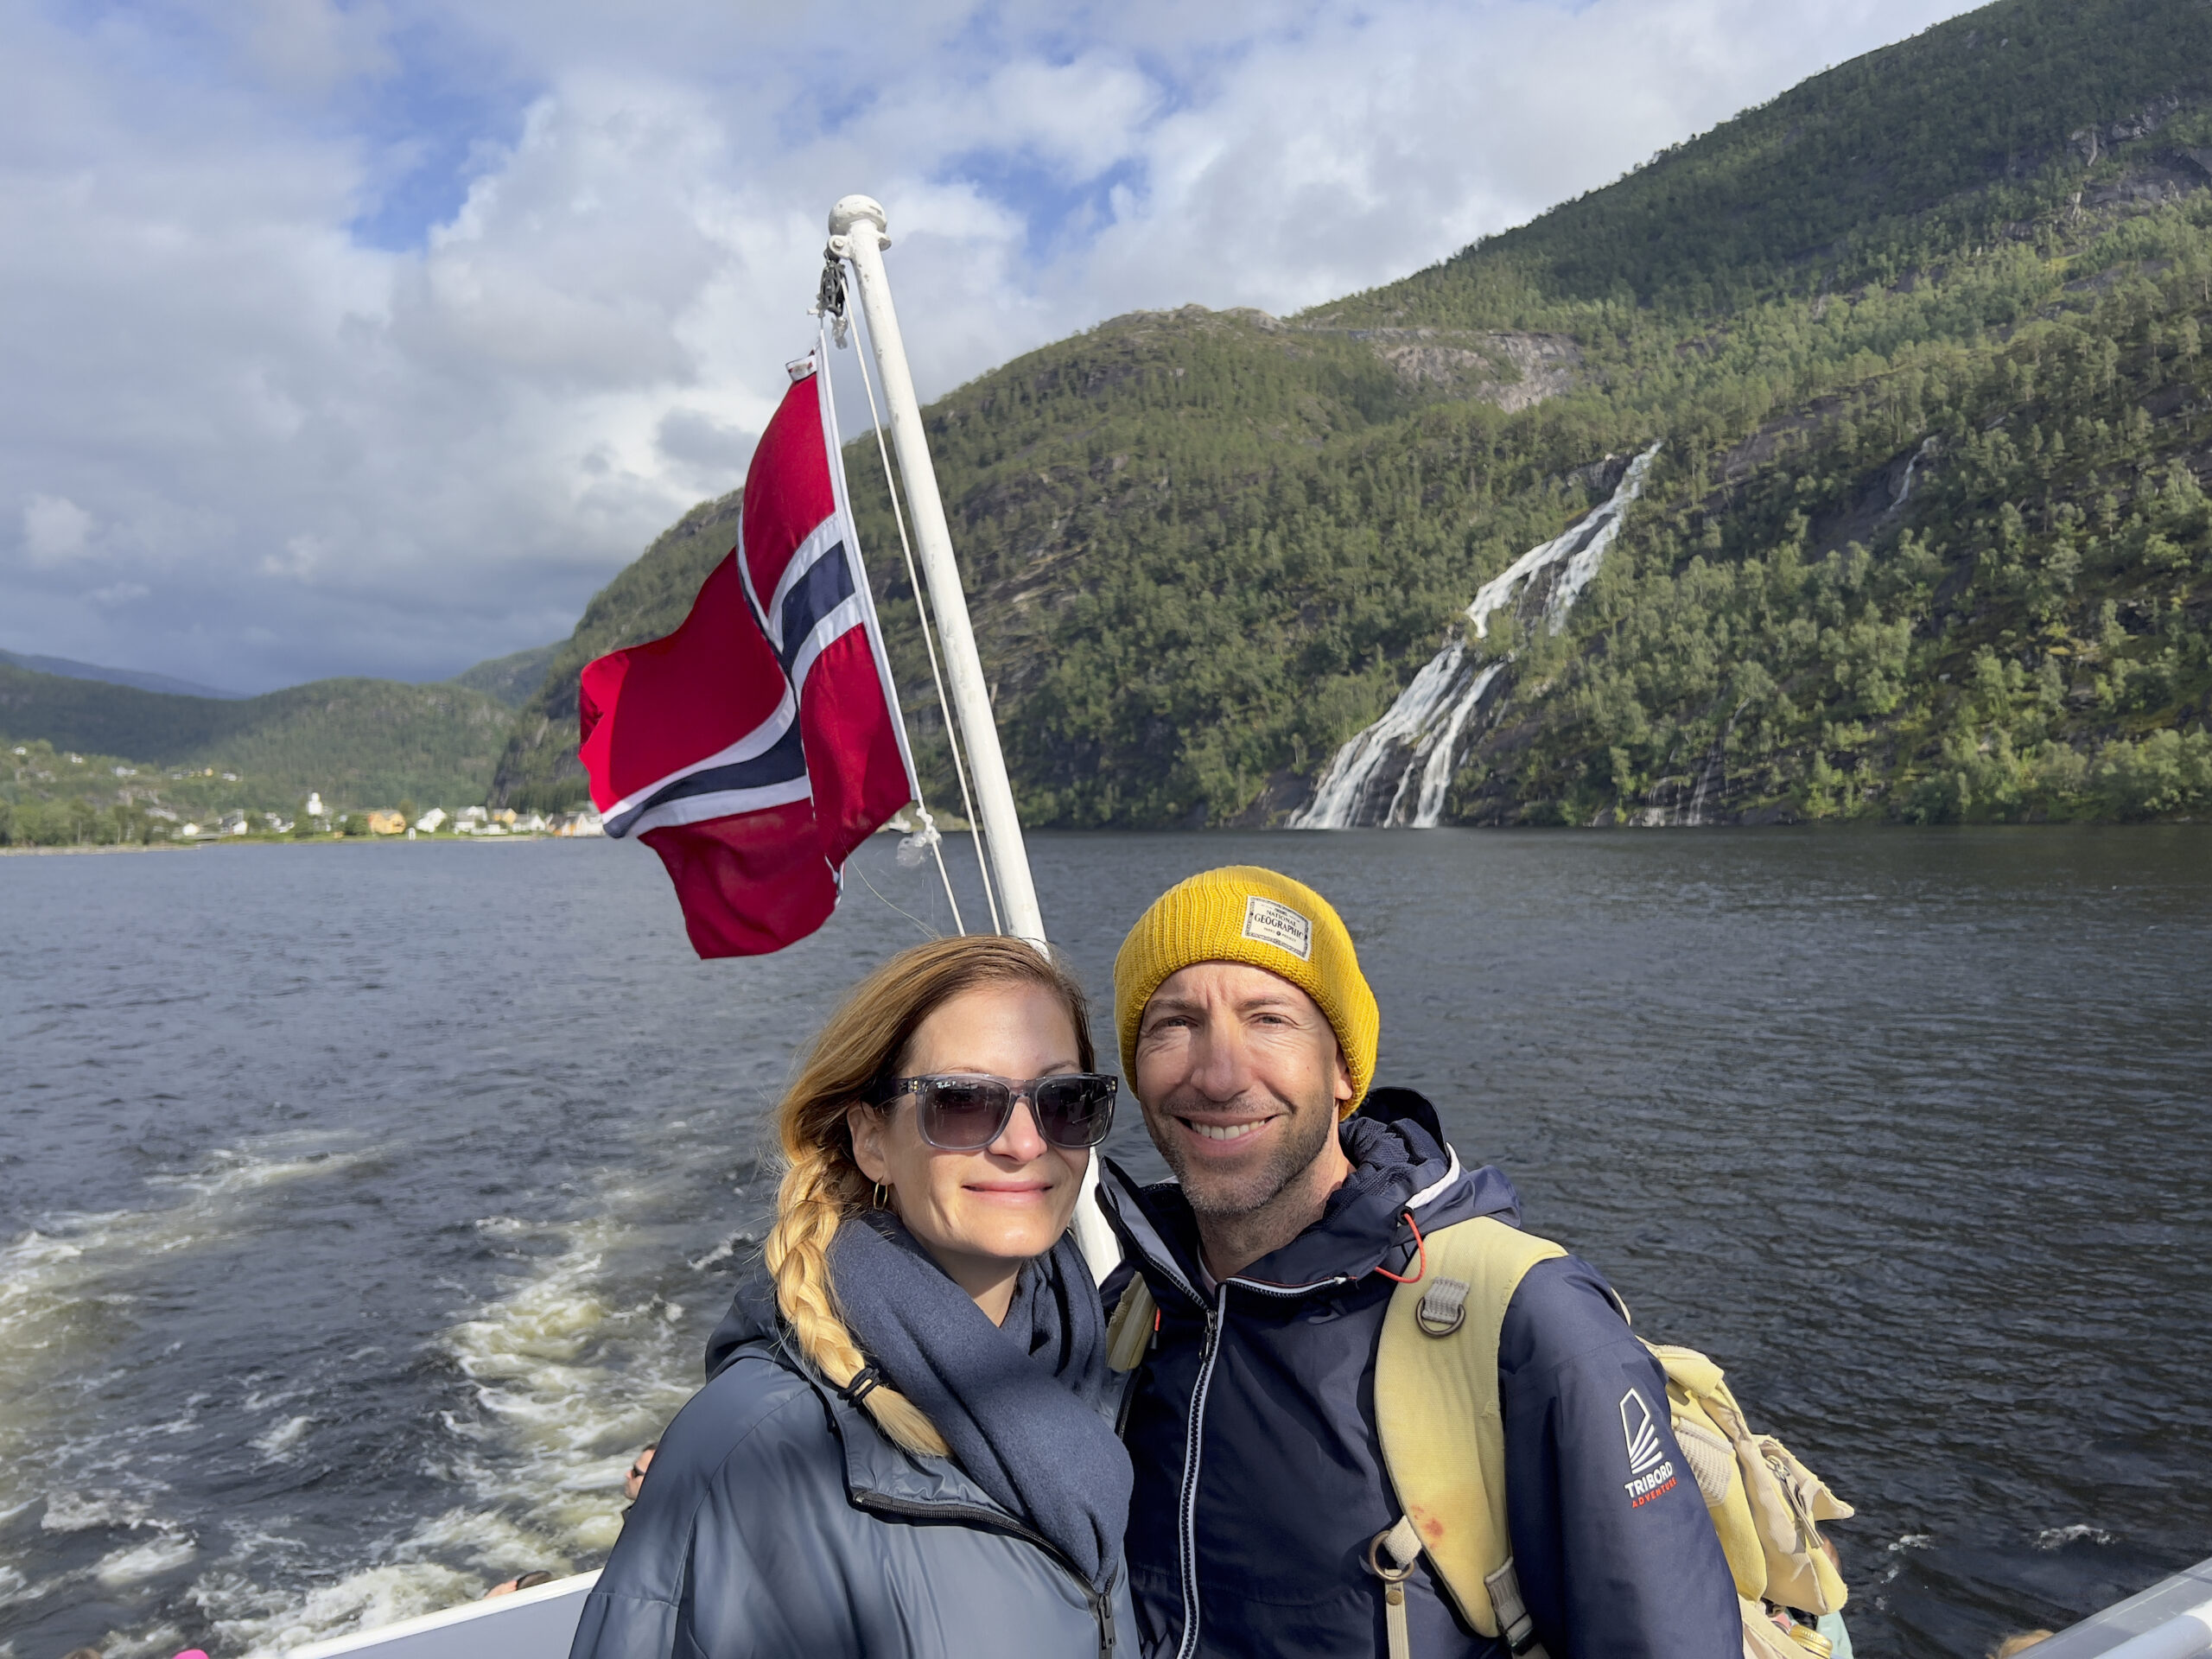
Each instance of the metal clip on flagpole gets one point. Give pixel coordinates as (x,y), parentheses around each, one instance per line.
(857,235)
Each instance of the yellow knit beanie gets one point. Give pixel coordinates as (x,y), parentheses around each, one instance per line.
(1244,913)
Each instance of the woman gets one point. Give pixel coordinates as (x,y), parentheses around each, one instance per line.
(905,1447)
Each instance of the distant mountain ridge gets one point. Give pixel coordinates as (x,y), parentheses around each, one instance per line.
(359,742)
(513,679)
(138,680)
(538,769)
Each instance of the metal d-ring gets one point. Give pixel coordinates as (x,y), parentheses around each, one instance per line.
(1388,1574)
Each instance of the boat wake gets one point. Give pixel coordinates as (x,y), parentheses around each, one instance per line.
(563,1377)
(69,1291)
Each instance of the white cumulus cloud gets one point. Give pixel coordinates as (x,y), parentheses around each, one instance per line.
(372,338)
(55,530)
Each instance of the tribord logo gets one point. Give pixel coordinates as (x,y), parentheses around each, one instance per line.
(1653,1470)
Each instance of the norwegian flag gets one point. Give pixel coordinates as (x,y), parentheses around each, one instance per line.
(757,746)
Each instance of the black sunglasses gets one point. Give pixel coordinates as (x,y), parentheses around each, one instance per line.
(956,1114)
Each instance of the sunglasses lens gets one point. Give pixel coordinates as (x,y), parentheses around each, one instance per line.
(961,1114)
(1075,1111)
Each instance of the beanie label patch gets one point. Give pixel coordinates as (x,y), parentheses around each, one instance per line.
(1267,922)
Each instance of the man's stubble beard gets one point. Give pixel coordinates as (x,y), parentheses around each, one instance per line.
(1242,1194)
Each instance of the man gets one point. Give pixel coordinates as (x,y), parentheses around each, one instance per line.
(1248,1036)
(634,1481)
(529,1580)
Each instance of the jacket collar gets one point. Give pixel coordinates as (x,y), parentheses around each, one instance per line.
(879,1473)
(1400,1164)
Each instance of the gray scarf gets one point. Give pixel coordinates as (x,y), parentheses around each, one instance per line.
(1024,1406)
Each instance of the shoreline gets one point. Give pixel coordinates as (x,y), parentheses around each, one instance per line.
(1853,829)
(273,840)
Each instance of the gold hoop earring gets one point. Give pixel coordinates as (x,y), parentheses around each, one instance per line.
(880,1196)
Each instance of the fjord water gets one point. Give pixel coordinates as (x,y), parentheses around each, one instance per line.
(363,1208)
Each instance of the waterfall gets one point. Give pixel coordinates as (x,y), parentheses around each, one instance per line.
(1349,779)
(1904,485)
(1413,750)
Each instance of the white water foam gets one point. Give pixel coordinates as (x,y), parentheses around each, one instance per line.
(163,1553)
(66,1292)
(67,1511)
(51,1279)
(1895,1548)
(1420,732)
(2080,1532)
(570,1378)
(725,1251)
(280,1442)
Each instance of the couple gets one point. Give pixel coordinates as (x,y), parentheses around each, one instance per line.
(911,1442)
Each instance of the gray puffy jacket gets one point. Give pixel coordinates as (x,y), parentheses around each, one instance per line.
(778,1520)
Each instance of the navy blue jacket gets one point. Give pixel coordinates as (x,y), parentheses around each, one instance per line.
(778,1521)
(1259,1477)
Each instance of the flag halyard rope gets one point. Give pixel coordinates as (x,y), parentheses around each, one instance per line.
(921,612)
(927,836)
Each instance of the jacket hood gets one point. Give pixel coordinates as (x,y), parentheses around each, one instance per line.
(752,1317)
(1400,1164)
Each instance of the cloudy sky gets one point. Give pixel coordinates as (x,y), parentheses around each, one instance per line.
(372,338)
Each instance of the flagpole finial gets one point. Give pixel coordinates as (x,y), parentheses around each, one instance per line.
(855,210)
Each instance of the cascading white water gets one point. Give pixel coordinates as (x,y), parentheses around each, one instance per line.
(1911,469)
(1351,771)
(1412,748)
(1436,773)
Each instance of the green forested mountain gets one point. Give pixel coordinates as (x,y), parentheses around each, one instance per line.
(513,679)
(538,769)
(1924,341)
(70,669)
(361,743)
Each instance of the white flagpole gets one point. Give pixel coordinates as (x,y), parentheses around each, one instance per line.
(858,229)
(856,233)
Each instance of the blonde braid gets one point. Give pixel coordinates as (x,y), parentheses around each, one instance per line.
(809,1209)
(822,1188)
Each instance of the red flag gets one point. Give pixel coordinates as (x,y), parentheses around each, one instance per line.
(757,746)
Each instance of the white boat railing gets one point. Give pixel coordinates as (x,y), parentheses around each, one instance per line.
(534,1623)
(2170,1620)
(2183,1636)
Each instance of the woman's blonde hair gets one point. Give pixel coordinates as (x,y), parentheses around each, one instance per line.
(861,1047)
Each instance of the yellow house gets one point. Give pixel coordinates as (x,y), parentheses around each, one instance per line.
(386,823)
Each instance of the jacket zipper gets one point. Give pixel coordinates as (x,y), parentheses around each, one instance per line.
(1102,1602)
(1193,1433)
(1193,1430)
